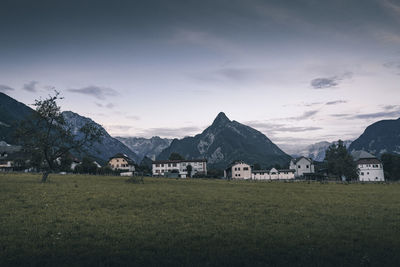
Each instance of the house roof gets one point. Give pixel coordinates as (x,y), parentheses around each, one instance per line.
(178,161)
(234,163)
(361,154)
(369,161)
(267,171)
(123,156)
(295,160)
(10,149)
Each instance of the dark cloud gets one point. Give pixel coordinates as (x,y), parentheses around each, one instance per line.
(329,82)
(305,115)
(273,128)
(95,91)
(31,86)
(322,83)
(312,104)
(382,114)
(390,107)
(336,102)
(5,88)
(340,115)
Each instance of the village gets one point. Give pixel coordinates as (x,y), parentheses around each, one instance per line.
(370,168)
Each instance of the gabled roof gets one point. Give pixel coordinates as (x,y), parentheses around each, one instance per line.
(124,156)
(236,162)
(178,161)
(267,171)
(361,154)
(299,158)
(368,161)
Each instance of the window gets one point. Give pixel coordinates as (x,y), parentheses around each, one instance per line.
(169,164)
(239,169)
(173,164)
(117,160)
(162,165)
(157,165)
(299,166)
(307,166)
(362,173)
(367,172)
(245,168)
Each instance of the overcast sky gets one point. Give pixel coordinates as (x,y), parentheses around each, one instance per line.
(299,71)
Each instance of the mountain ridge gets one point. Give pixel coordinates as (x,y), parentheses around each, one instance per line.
(379,137)
(224,141)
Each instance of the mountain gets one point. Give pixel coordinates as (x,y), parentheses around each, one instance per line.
(11,112)
(380,137)
(225,141)
(146,147)
(108,146)
(315,151)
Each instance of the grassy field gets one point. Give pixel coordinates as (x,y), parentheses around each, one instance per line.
(104,221)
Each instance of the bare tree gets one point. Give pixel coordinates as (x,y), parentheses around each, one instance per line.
(47,135)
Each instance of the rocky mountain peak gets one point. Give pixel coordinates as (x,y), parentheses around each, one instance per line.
(221,119)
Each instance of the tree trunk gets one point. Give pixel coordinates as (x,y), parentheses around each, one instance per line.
(45,175)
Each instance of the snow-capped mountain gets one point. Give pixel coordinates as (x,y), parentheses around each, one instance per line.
(315,151)
(146,147)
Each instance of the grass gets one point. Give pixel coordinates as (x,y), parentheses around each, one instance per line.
(103,221)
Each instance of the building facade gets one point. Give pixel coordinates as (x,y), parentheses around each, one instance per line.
(302,166)
(180,167)
(121,162)
(370,169)
(238,170)
(273,174)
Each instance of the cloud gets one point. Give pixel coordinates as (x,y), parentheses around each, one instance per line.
(390,107)
(336,102)
(273,128)
(5,88)
(393,66)
(205,39)
(117,128)
(132,117)
(31,86)
(382,114)
(321,83)
(305,115)
(228,74)
(340,115)
(109,105)
(95,91)
(171,132)
(329,82)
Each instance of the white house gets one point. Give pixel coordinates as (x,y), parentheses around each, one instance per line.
(121,162)
(238,170)
(164,167)
(370,168)
(302,166)
(273,174)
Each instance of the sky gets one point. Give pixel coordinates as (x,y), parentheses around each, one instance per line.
(299,71)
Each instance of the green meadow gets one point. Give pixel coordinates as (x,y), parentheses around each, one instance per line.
(77,220)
